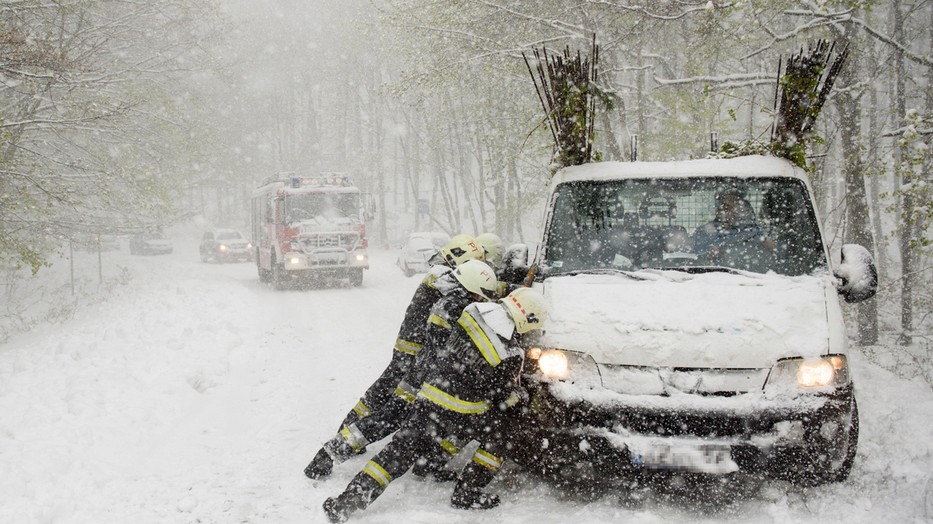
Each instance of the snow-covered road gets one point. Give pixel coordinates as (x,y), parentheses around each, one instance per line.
(195,394)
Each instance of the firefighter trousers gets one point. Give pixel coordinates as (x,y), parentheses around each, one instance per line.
(420,436)
(382,390)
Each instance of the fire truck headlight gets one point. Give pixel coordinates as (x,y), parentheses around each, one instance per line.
(294,261)
(360,257)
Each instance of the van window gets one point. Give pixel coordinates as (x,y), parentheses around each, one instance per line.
(751,224)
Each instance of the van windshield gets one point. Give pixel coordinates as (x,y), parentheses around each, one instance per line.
(750,224)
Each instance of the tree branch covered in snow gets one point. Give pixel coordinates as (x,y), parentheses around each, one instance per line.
(86,102)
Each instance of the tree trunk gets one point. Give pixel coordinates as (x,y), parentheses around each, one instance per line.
(480,178)
(858,228)
(516,205)
(456,139)
(451,203)
(379,182)
(641,119)
(900,112)
(874,181)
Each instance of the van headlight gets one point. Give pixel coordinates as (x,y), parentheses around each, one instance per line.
(808,374)
(569,366)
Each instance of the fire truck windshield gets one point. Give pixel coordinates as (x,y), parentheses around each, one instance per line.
(308,206)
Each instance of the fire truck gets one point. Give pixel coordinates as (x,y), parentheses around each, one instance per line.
(306,228)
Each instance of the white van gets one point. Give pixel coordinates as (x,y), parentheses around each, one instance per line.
(695,323)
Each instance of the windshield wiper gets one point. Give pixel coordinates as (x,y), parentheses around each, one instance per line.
(696,269)
(699,270)
(598,271)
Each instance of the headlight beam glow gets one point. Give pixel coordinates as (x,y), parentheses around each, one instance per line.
(554,364)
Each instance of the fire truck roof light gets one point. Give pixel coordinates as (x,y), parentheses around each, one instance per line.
(327,180)
(324,179)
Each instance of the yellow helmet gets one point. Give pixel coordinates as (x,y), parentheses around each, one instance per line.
(527,307)
(460,249)
(492,245)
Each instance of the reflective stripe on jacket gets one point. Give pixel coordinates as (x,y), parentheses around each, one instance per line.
(489,345)
(451,402)
(476,368)
(412,332)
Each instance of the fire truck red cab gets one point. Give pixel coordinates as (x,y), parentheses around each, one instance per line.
(309,227)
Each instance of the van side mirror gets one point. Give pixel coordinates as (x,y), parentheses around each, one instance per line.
(514,264)
(858,277)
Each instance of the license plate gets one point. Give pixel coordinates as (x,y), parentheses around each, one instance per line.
(705,458)
(331,258)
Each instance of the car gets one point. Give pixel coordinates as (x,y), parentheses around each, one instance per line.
(661,354)
(150,243)
(225,245)
(418,249)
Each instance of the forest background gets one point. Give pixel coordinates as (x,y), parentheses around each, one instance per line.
(120,116)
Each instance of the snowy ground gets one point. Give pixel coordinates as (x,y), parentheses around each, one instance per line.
(195,394)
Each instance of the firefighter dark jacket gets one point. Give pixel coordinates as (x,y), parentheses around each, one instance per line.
(478,367)
(412,333)
(443,317)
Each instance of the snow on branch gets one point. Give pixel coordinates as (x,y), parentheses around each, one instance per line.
(721,81)
(566,88)
(804,88)
(847,16)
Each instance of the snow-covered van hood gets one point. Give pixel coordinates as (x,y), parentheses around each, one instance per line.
(671,319)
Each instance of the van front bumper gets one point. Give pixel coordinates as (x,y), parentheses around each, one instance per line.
(607,433)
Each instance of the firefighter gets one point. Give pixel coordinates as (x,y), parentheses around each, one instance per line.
(492,245)
(465,396)
(410,339)
(475,282)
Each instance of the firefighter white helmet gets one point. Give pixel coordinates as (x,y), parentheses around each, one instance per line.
(460,249)
(492,245)
(527,307)
(477,277)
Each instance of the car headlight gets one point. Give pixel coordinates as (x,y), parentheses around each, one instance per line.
(569,366)
(808,374)
(222,247)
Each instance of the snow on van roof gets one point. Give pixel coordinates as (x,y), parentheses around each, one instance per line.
(745,166)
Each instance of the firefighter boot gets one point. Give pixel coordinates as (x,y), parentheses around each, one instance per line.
(360,493)
(334,451)
(468,493)
(321,465)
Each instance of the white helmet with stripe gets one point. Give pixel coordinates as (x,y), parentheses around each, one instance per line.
(527,307)
(477,277)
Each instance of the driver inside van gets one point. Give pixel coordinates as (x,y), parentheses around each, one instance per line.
(733,224)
